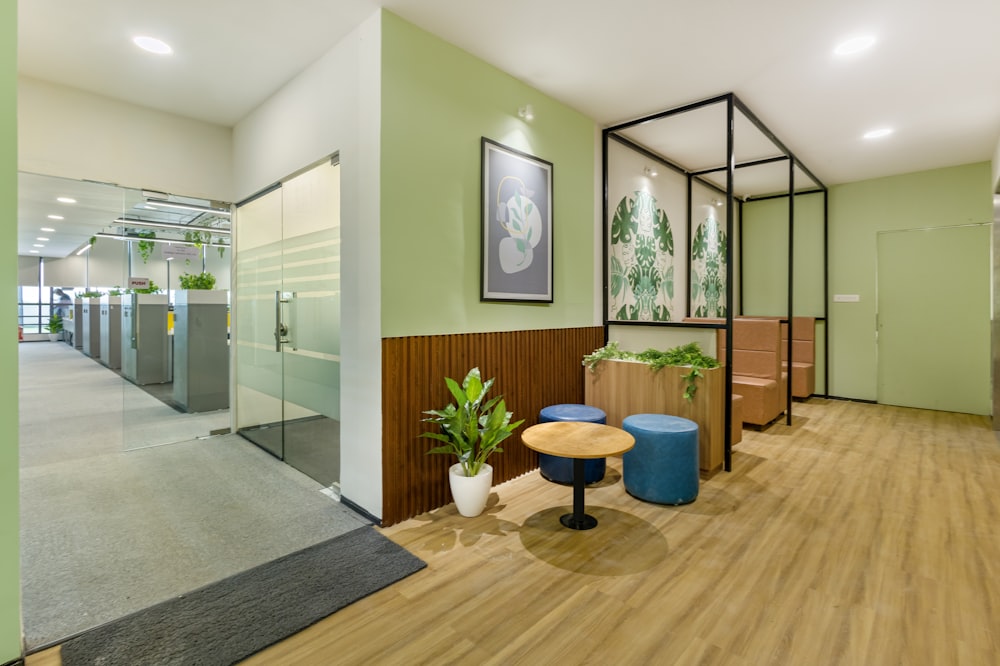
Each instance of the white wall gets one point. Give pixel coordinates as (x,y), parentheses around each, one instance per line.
(334,106)
(66,132)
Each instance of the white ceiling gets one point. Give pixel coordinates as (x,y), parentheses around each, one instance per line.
(932,75)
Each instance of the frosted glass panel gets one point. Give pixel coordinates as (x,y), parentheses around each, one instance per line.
(288,244)
(258,275)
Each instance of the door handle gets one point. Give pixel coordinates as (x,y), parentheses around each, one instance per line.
(280,329)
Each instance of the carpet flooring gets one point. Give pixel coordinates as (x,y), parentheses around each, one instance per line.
(234,618)
(106,532)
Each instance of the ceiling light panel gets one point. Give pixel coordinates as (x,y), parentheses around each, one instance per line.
(854,45)
(879,133)
(152,44)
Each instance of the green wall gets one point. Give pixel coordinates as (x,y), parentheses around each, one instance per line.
(937,198)
(437,103)
(858,211)
(10,583)
(765,256)
(765,264)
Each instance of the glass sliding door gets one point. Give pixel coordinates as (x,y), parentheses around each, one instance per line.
(288,322)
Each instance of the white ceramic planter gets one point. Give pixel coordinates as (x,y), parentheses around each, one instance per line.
(470,492)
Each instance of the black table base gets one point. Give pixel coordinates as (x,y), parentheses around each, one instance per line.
(578,520)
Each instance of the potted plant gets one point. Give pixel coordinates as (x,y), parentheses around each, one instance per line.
(199,281)
(471,429)
(54,327)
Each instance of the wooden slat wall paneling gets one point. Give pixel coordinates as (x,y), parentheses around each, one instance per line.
(533,369)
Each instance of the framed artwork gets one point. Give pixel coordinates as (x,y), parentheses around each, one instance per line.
(517,226)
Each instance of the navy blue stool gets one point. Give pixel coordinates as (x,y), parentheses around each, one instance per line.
(662,467)
(559,469)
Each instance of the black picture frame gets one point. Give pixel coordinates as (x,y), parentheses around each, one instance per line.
(516,260)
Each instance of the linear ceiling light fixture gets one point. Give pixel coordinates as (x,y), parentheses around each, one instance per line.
(103,234)
(83,249)
(169,225)
(194,207)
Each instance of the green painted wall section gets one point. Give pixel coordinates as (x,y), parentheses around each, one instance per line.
(437,103)
(765,264)
(858,211)
(765,256)
(10,581)
(937,198)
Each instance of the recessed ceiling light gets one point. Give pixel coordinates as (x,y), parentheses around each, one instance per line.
(37,245)
(33,251)
(42,238)
(65,200)
(49,229)
(854,45)
(878,133)
(57,217)
(153,45)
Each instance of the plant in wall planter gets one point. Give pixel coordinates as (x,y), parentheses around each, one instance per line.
(688,355)
(199,281)
(471,429)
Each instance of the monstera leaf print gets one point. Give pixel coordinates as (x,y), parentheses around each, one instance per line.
(641,275)
(708,268)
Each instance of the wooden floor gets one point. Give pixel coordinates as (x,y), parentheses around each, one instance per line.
(861,534)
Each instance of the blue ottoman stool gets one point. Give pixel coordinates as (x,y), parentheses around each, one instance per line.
(559,469)
(662,467)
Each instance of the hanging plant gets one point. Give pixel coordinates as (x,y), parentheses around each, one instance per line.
(197,238)
(146,246)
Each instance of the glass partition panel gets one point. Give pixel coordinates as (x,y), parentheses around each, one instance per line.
(259,360)
(288,322)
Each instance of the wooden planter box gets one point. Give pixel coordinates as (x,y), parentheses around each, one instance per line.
(622,388)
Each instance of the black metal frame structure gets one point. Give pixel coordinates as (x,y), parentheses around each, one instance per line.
(730,166)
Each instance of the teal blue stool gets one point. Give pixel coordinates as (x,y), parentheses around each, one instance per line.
(662,467)
(559,469)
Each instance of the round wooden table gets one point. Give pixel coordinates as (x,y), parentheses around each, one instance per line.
(579,441)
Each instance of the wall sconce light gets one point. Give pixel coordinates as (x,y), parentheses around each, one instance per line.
(526,112)
(716,202)
(650,171)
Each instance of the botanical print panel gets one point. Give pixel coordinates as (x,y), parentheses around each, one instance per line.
(641,260)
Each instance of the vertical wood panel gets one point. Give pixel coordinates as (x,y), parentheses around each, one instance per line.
(533,369)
